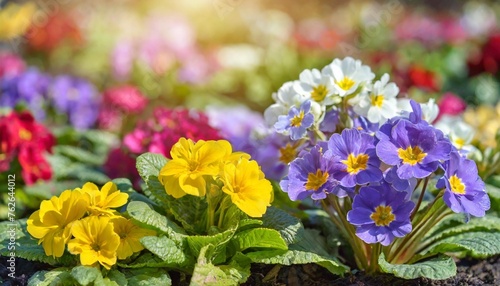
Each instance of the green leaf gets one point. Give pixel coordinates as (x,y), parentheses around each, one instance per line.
(258,238)
(148,277)
(288,226)
(142,213)
(191,211)
(479,244)
(249,223)
(117,277)
(29,249)
(197,242)
(156,192)
(79,155)
(205,273)
(290,257)
(59,277)
(150,164)
(85,275)
(440,267)
(8,229)
(168,251)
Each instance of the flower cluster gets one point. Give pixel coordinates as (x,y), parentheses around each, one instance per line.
(368,175)
(75,98)
(166,127)
(197,168)
(24,139)
(119,102)
(86,221)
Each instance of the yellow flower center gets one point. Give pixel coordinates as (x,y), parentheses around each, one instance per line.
(25,134)
(377,100)
(319,93)
(411,155)
(456,185)
(95,246)
(346,83)
(297,119)
(459,142)
(383,215)
(315,181)
(288,153)
(355,164)
(193,165)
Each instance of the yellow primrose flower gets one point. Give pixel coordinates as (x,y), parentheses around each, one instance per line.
(190,165)
(15,19)
(52,223)
(104,201)
(249,190)
(95,241)
(130,234)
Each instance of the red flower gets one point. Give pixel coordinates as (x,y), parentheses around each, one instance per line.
(34,166)
(489,58)
(450,104)
(422,78)
(121,164)
(23,138)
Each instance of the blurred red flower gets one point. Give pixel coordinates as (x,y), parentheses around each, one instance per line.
(489,58)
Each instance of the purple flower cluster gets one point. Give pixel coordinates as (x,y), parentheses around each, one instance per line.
(76,98)
(379,169)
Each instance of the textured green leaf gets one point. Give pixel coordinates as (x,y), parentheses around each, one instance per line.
(85,275)
(288,226)
(249,223)
(191,211)
(79,155)
(205,273)
(28,249)
(167,250)
(59,277)
(197,242)
(258,238)
(479,244)
(117,277)
(156,192)
(7,230)
(148,277)
(290,257)
(142,213)
(440,267)
(150,164)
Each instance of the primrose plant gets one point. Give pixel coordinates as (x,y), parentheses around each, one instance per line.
(394,185)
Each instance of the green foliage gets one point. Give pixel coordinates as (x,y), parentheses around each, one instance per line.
(440,267)
(150,164)
(147,277)
(258,238)
(478,244)
(172,254)
(59,277)
(288,226)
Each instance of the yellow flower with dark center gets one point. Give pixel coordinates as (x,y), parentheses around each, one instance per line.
(104,201)
(377,100)
(456,185)
(191,165)
(319,93)
(297,119)
(52,223)
(244,182)
(15,19)
(346,83)
(354,164)
(95,241)
(130,235)
(315,181)
(383,216)
(411,155)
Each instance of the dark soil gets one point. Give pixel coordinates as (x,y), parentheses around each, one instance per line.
(470,272)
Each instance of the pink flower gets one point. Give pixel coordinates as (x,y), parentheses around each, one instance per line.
(450,104)
(11,65)
(127,98)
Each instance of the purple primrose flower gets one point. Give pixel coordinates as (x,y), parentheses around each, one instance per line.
(297,121)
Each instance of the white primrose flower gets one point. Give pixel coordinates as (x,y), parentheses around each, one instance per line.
(348,74)
(379,104)
(459,132)
(430,109)
(285,98)
(317,86)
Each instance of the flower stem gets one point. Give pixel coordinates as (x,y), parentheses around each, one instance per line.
(420,198)
(375,253)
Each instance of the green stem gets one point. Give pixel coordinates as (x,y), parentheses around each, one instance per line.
(375,253)
(420,198)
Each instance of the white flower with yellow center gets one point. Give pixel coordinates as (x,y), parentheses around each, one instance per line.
(317,86)
(459,132)
(379,104)
(286,98)
(348,74)
(430,110)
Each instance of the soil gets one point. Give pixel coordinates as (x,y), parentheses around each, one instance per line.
(470,272)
